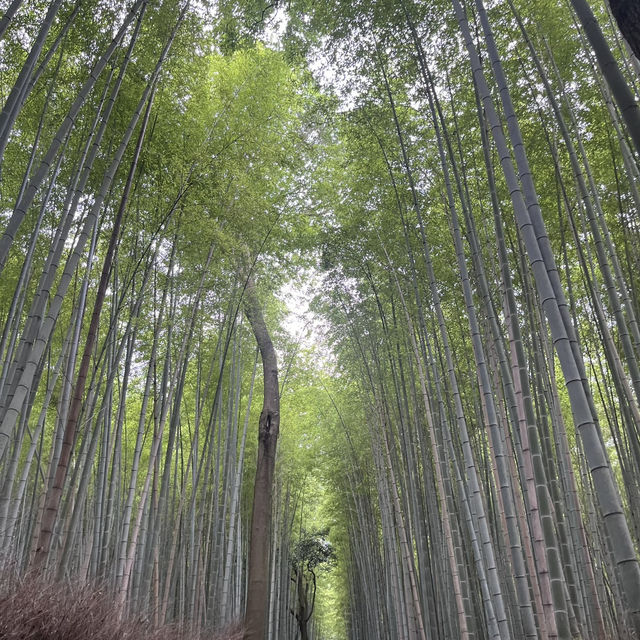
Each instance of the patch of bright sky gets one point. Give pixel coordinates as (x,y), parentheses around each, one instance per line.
(307,329)
(275,27)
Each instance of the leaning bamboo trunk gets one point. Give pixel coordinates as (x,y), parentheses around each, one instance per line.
(53,499)
(22,206)
(610,70)
(8,16)
(16,98)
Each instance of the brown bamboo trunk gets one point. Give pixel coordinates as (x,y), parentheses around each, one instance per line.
(258,574)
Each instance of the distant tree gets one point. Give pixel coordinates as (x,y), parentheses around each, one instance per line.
(313,552)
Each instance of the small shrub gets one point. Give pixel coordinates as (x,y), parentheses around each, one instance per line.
(32,608)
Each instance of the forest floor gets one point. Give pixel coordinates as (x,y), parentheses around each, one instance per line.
(32,608)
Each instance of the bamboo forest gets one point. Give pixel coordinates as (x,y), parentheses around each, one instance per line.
(320,319)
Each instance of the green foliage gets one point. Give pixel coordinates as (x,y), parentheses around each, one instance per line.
(313,551)
(289,155)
